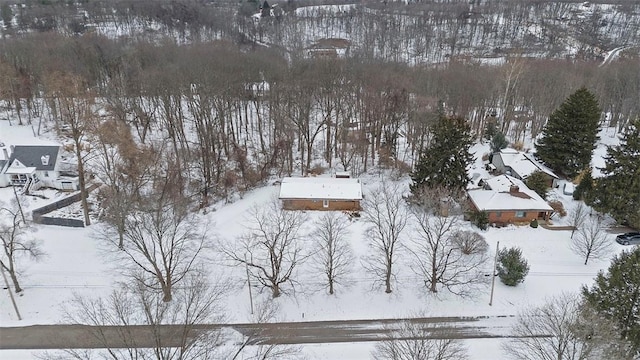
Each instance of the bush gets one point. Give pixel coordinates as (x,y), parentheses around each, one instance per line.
(584,190)
(512,267)
(534,223)
(558,207)
(470,242)
(479,219)
(538,183)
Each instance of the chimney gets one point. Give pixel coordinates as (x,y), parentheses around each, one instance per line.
(6,153)
(514,189)
(45,159)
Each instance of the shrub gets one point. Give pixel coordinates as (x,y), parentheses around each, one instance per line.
(558,207)
(470,242)
(584,190)
(479,219)
(518,145)
(317,169)
(512,267)
(538,183)
(534,223)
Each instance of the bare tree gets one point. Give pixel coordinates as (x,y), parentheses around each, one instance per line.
(117,322)
(441,254)
(578,217)
(272,246)
(16,242)
(162,242)
(413,342)
(75,106)
(250,349)
(592,240)
(386,213)
(332,254)
(124,168)
(562,329)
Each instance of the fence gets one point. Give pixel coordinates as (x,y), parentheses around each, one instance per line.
(39,218)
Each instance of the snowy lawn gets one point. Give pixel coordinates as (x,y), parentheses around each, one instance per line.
(75,264)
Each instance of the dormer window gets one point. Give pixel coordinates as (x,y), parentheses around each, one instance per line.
(45,159)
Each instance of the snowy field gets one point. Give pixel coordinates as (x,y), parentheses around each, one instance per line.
(77,264)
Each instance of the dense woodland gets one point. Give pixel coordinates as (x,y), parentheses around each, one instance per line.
(230,113)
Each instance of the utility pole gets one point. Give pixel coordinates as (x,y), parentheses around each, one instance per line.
(248,283)
(493,274)
(15,306)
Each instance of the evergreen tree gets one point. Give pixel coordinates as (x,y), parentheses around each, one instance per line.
(491,128)
(584,190)
(498,142)
(570,135)
(445,161)
(618,192)
(616,295)
(512,267)
(538,182)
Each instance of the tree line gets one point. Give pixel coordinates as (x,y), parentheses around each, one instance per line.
(257,111)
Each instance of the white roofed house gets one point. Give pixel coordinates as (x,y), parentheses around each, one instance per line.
(33,167)
(507,200)
(320,193)
(521,165)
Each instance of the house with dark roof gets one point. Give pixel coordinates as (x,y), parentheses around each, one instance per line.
(33,167)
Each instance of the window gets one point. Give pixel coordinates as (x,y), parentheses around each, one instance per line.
(46,174)
(498,214)
(325,203)
(521,214)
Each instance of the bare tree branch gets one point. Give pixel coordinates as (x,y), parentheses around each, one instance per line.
(592,241)
(271,247)
(332,254)
(386,213)
(16,243)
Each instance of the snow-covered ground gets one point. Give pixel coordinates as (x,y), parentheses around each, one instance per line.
(75,264)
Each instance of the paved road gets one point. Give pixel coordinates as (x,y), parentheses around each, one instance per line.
(93,337)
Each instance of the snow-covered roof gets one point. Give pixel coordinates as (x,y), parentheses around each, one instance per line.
(320,188)
(18,168)
(499,198)
(523,164)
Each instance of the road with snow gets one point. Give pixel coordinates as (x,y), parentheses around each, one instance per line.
(39,337)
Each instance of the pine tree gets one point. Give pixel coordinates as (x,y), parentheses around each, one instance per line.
(445,161)
(512,267)
(584,190)
(498,142)
(491,128)
(538,183)
(618,192)
(570,135)
(616,294)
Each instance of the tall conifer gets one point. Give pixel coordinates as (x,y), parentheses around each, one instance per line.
(618,192)
(570,135)
(444,162)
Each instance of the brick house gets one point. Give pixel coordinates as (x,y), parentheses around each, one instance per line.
(320,193)
(507,200)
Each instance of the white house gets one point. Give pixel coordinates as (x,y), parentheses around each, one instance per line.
(33,167)
(521,165)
